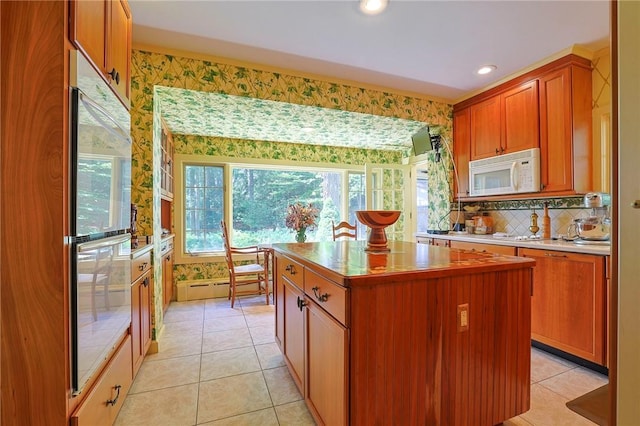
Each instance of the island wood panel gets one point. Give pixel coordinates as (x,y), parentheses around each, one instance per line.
(474,377)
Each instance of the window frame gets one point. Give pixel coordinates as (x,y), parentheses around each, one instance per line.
(228,164)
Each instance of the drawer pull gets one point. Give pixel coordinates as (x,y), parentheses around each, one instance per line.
(290,269)
(142,266)
(115,400)
(320,297)
(555,255)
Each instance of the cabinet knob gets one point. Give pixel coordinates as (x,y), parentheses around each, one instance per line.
(145,282)
(115,75)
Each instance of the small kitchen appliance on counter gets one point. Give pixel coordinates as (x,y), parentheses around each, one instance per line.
(595,228)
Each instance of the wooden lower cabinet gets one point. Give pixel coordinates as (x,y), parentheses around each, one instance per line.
(484,248)
(327,366)
(167,279)
(105,399)
(568,307)
(141,285)
(294,332)
(314,343)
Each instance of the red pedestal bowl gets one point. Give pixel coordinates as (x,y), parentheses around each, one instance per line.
(377,220)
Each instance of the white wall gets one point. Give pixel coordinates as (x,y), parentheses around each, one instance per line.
(628,240)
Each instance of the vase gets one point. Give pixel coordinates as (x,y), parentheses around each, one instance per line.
(301,235)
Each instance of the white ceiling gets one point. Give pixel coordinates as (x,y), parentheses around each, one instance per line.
(426,47)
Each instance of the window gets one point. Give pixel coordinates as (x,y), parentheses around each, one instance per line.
(254,205)
(203,208)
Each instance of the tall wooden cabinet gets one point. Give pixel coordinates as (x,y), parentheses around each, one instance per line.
(568,307)
(102,30)
(36,367)
(141,277)
(461,151)
(565,130)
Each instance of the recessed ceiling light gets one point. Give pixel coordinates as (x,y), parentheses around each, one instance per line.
(486,69)
(373,7)
(308,129)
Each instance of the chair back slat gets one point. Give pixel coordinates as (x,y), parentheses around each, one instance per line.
(344,230)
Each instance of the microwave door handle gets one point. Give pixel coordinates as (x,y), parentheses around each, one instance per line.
(514,175)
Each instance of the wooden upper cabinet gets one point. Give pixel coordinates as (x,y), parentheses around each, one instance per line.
(520,118)
(88,30)
(461,150)
(119,50)
(102,31)
(565,131)
(506,122)
(485,128)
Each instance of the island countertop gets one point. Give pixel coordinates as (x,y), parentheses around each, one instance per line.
(347,262)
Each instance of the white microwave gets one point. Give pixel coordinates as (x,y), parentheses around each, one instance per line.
(514,173)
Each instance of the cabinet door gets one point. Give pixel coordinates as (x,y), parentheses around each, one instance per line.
(327,361)
(520,120)
(294,332)
(568,303)
(279,301)
(136,341)
(556,165)
(462,150)
(485,128)
(145,313)
(167,279)
(88,29)
(119,48)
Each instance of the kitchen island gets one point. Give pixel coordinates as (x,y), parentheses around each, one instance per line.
(418,335)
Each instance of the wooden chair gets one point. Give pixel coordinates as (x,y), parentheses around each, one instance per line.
(344,229)
(256,273)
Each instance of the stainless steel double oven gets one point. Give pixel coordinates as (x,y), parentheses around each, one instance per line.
(100,209)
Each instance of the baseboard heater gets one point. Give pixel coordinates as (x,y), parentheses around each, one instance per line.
(202,289)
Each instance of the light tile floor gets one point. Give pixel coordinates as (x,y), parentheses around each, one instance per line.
(221,366)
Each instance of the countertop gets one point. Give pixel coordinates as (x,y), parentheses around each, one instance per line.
(141,249)
(559,245)
(346,262)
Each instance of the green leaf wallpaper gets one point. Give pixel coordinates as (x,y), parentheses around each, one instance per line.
(154,72)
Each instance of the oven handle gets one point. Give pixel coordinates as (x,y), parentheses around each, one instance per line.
(105,242)
(93,107)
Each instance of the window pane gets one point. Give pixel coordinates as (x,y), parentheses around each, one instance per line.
(261,198)
(422,204)
(357,201)
(204,207)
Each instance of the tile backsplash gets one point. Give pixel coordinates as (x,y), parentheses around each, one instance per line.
(514,217)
